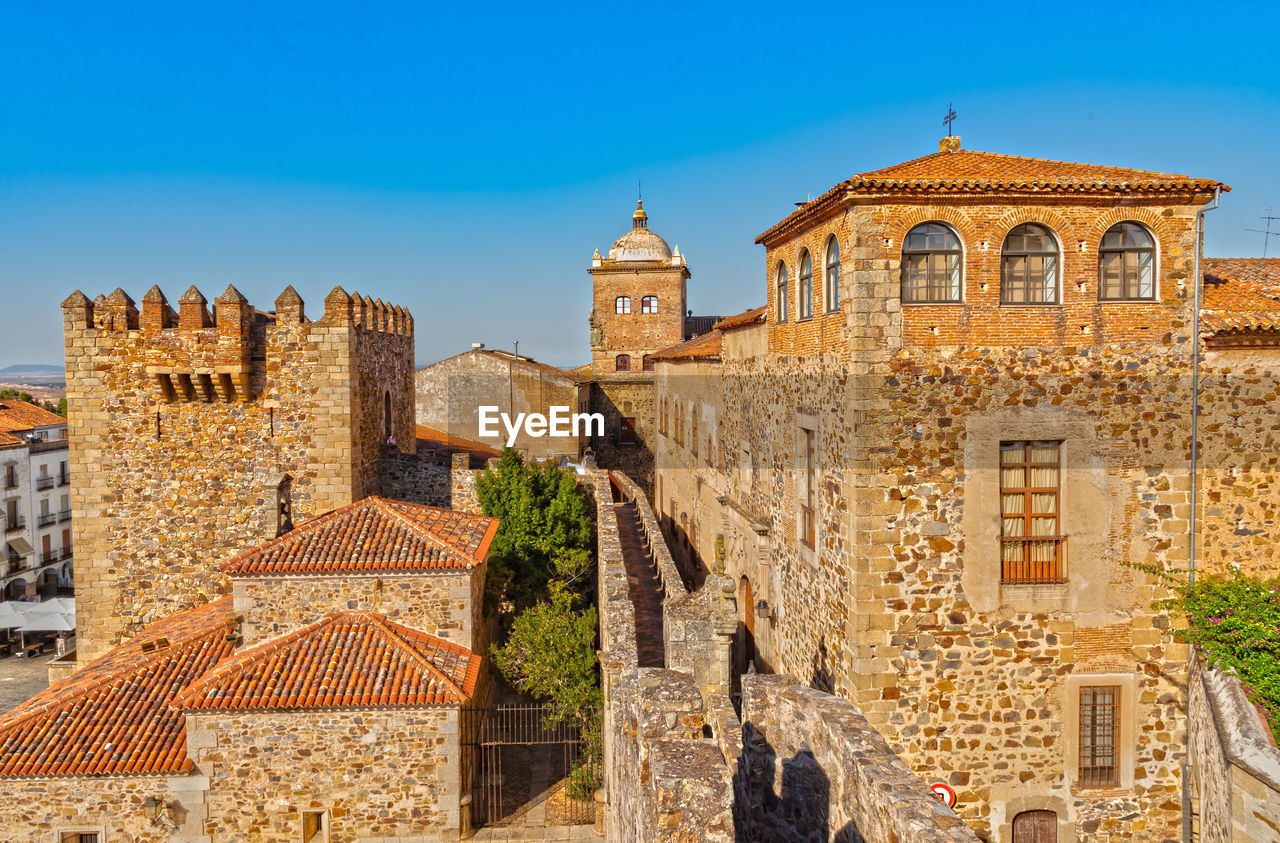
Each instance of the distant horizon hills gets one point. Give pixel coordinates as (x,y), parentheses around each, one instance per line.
(33,370)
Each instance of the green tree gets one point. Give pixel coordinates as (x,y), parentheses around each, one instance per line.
(543,515)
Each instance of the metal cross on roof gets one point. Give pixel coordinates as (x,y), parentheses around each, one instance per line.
(950,118)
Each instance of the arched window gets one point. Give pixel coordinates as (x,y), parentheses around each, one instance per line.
(646,363)
(805,291)
(931,264)
(1126,263)
(1029,266)
(622,304)
(781,281)
(831,274)
(386,416)
(649,304)
(622,363)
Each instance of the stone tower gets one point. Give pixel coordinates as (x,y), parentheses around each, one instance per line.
(185,426)
(638,308)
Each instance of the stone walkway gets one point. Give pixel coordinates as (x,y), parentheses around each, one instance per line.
(644,587)
(566,832)
(22,679)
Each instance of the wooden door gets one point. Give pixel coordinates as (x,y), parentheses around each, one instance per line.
(1035,827)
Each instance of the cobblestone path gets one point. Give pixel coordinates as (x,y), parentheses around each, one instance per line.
(643,586)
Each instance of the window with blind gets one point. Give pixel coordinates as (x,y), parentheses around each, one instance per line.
(1029,266)
(1031,544)
(1126,263)
(931,264)
(1100,736)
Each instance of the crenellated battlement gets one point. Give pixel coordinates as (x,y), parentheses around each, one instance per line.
(197,354)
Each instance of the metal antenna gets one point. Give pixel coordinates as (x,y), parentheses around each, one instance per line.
(1266,233)
(640,193)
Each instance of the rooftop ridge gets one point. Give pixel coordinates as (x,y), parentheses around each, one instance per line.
(380,621)
(231,563)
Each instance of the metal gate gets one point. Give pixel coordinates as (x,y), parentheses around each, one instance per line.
(524,772)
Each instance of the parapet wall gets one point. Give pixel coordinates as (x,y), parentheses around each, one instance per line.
(814,769)
(1236,766)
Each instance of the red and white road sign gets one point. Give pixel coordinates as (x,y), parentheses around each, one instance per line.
(945,793)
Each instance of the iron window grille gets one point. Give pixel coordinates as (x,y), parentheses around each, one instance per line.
(1099,736)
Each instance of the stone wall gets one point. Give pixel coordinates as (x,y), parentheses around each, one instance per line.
(672,785)
(450,393)
(267,767)
(177,421)
(698,628)
(44,809)
(1235,763)
(814,769)
(440,604)
(626,397)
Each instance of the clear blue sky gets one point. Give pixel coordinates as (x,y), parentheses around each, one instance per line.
(465,160)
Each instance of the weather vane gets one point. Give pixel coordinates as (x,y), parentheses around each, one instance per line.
(951,116)
(1266,233)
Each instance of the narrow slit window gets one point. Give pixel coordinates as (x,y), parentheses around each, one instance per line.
(1100,736)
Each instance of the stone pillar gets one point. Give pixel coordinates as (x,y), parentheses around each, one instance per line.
(290,308)
(192,313)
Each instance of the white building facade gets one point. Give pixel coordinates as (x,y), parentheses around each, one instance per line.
(35,481)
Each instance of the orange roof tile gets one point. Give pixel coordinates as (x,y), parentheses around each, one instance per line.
(440,440)
(371,535)
(8,440)
(702,347)
(1240,295)
(969,172)
(114,716)
(347,659)
(23,415)
(741,320)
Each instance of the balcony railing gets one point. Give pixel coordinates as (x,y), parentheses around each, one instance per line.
(43,483)
(66,553)
(64,480)
(15,566)
(64,515)
(1032,560)
(46,520)
(14,524)
(48,557)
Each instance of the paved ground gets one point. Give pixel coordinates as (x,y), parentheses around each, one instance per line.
(643,586)
(21,679)
(569,832)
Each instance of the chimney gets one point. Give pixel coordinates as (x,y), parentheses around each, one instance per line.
(951,143)
(477,345)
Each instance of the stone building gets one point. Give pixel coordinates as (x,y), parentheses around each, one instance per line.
(36,501)
(931,461)
(638,307)
(450,392)
(180,418)
(322,701)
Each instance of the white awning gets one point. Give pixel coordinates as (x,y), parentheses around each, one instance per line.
(19,546)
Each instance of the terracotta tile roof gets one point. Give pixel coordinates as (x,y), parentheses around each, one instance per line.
(370,535)
(704,347)
(971,172)
(115,715)
(740,320)
(431,439)
(1241,295)
(9,440)
(23,415)
(347,659)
